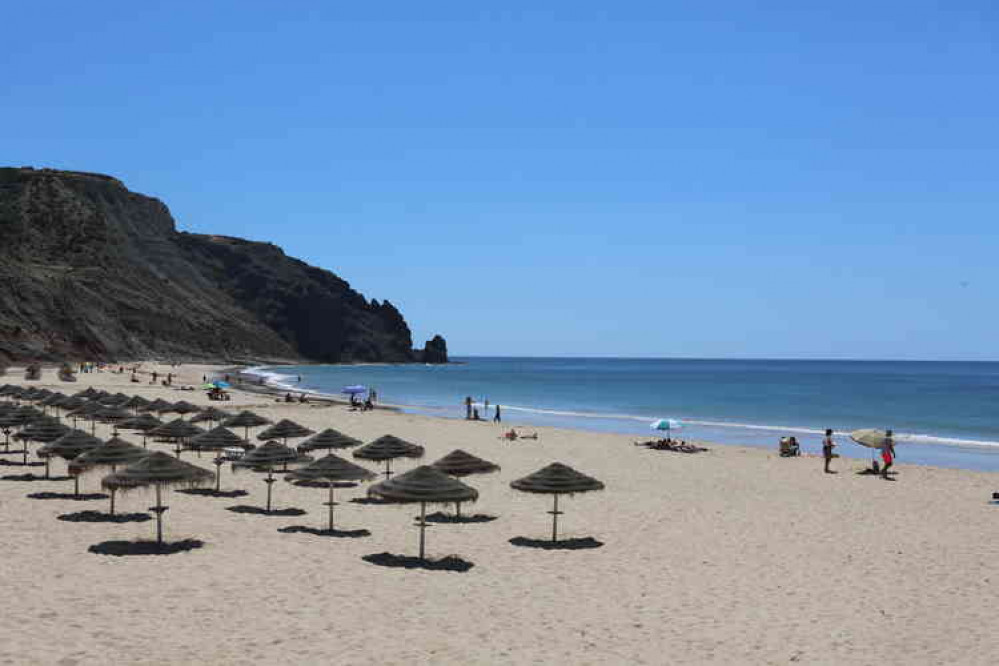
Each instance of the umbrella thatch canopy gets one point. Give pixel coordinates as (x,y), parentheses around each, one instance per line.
(136,402)
(143,423)
(88,412)
(331,468)
(15,417)
(178,430)
(112,414)
(8,389)
(216,439)
(183,407)
(212,414)
(556,479)
(159,405)
(284,429)
(87,393)
(158,469)
(424,484)
(53,400)
(68,447)
(245,420)
(267,457)
(44,429)
(115,400)
(388,448)
(114,453)
(461,463)
(329,439)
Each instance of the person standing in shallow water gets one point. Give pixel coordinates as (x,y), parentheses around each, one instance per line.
(887,454)
(827,449)
(497,419)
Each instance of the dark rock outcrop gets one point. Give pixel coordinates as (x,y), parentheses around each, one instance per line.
(89,269)
(435,350)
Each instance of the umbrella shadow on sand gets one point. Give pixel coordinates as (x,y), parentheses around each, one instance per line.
(211,492)
(449,563)
(315,531)
(82,497)
(259,511)
(100,517)
(441,517)
(369,500)
(18,463)
(123,548)
(583,543)
(33,477)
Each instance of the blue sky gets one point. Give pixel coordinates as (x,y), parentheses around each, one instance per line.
(723,179)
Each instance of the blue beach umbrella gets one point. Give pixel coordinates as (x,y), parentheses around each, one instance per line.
(667,425)
(354,390)
(222,385)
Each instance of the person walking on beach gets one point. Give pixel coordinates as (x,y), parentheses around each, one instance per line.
(827,449)
(887,454)
(468,408)
(485,405)
(496,419)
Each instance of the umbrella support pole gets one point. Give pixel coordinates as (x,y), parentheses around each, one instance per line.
(331,504)
(144,445)
(218,474)
(269,481)
(457,509)
(555,514)
(388,468)
(423,529)
(76,486)
(6,440)
(114,468)
(48,460)
(158,510)
(25,459)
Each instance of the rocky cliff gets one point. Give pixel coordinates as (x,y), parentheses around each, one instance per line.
(89,269)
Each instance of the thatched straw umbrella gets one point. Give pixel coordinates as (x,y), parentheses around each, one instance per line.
(87,412)
(143,423)
(135,403)
(113,453)
(87,394)
(183,408)
(114,400)
(216,439)
(556,479)
(388,448)
(159,405)
(68,447)
(33,372)
(54,401)
(245,420)
(213,415)
(331,468)
(424,485)
(461,463)
(328,439)
(45,429)
(284,429)
(266,458)
(12,419)
(112,414)
(178,430)
(157,469)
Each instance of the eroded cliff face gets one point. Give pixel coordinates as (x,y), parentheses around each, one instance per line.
(90,269)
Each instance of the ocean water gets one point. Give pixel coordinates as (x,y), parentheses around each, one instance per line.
(944,413)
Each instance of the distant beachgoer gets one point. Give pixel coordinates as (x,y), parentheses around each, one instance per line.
(468,408)
(510,435)
(497,419)
(155,375)
(887,453)
(485,406)
(373,395)
(827,449)
(300,379)
(368,405)
(475,414)
(204,379)
(288,398)
(301,398)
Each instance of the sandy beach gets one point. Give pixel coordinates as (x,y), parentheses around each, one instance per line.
(731,556)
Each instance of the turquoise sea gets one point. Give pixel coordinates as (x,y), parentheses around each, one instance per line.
(945,413)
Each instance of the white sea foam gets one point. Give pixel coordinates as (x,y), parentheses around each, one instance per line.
(900,437)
